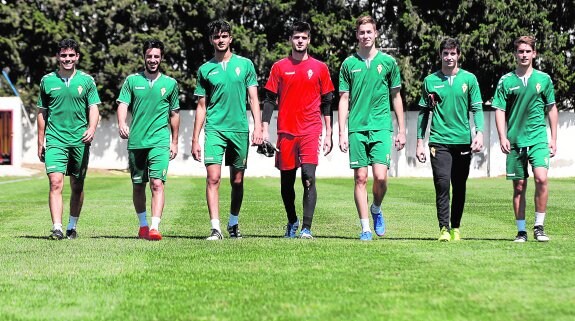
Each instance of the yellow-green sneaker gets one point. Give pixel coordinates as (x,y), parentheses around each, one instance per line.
(455,234)
(444,235)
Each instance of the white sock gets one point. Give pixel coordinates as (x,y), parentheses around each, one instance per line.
(539,218)
(216,224)
(520,225)
(57,226)
(155,223)
(233,219)
(375,209)
(142,219)
(365,225)
(72,222)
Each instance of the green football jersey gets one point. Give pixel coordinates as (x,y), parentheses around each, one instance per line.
(455,96)
(524,102)
(67,102)
(369,83)
(225,87)
(151,104)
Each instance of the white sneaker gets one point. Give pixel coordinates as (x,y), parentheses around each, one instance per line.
(215,236)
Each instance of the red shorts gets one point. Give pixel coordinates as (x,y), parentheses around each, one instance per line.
(297,150)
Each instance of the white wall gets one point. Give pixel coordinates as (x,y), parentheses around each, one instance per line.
(14,104)
(109,152)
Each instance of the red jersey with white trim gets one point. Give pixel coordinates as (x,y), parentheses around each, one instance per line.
(299,86)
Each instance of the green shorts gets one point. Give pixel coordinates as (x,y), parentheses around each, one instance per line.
(148,163)
(369,147)
(519,157)
(233,145)
(71,161)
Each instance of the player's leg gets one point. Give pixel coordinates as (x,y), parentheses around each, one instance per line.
(308,147)
(539,158)
(138,164)
(214,148)
(441,165)
(358,161)
(516,168)
(236,157)
(77,168)
(380,156)
(56,162)
(459,174)
(287,180)
(158,162)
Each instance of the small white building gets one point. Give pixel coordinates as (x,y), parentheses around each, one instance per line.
(11,135)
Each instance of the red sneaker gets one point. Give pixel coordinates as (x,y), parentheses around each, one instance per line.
(143,232)
(154,235)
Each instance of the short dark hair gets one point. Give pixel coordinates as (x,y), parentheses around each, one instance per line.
(528,40)
(450,43)
(68,44)
(153,43)
(300,26)
(219,26)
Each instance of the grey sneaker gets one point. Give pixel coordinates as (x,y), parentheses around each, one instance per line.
(234,231)
(56,235)
(215,235)
(521,237)
(539,234)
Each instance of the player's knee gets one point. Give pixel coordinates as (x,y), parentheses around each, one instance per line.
(156,185)
(308,178)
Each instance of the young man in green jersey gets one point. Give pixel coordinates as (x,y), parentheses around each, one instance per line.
(369,82)
(521,99)
(449,94)
(67,119)
(152,134)
(222,86)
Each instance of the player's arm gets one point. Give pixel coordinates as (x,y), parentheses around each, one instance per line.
(122,115)
(477,111)
(422,120)
(553,118)
(175,129)
(41,122)
(342,113)
(326,112)
(198,124)
(502,131)
(93,119)
(397,104)
(256,114)
(270,103)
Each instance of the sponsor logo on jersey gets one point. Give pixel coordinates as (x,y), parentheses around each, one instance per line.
(514,88)
(139,87)
(163,91)
(440,86)
(464,88)
(213,73)
(309,74)
(379,68)
(55,88)
(238,70)
(538,87)
(356,70)
(80,90)
(290,72)
(432,151)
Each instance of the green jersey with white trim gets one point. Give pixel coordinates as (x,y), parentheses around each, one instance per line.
(524,101)
(454,97)
(151,103)
(67,103)
(224,85)
(369,83)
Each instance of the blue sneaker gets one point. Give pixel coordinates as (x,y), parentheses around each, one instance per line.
(291,230)
(365,236)
(305,234)
(378,223)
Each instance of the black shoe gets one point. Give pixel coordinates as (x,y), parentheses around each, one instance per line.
(215,235)
(235,231)
(539,234)
(521,237)
(56,235)
(71,234)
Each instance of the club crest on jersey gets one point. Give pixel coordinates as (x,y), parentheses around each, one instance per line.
(379,68)
(538,87)
(163,91)
(464,88)
(238,71)
(80,90)
(432,151)
(309,74)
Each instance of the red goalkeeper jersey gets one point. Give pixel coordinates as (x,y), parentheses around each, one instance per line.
(299,86)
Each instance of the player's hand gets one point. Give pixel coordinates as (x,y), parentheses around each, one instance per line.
(477,144)
(124,131)
(399,141)
(88,136)
(552,148)
(42,153)
(505,145)
(196,151)
(173,150)
(327,145)
(257,136)
(343,142)
(420,153)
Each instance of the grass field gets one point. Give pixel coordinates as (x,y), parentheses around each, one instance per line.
(108,274)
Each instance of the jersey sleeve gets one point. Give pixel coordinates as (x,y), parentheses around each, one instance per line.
(344,78)
(92,94)
(174,97)
(251,78)
(201,84)
(424,100)
(476,104)
(394,75)
(500,96)
(42,97)
(125,93)
(273,80)
(325,79)
(549,93)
